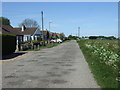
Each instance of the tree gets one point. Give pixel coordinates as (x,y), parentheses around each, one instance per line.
(73,37)
(62,36)
(93,37)
(29,23)
(70,36)
(110,37)
(4,21)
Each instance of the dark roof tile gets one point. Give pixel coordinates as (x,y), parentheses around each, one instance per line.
(17,31)
(7,29)
(27,31)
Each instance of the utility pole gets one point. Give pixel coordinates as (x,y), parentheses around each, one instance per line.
(49,25)
(42,28)
(78,31)
(49,29)
(56,36)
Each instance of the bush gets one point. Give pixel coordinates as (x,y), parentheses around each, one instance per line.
(35,42)
(93,37)
(26,46)
(72,37)
(8,43)
(102,37)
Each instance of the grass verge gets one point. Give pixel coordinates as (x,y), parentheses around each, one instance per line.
(105,75)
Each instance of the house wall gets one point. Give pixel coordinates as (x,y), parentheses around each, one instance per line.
(19,38)
(32,37)
(36,34)
(26,38)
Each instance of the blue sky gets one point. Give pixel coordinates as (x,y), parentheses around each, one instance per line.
(93,18)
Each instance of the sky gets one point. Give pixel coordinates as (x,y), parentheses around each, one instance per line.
(60,0)
(93,18)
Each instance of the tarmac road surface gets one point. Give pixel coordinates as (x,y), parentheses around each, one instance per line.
(62,66)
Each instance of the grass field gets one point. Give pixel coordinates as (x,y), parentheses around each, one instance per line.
(103,59)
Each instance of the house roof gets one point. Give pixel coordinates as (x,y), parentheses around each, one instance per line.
(7,29)
(27,31)
(45,32)
(17,31)
(58,34)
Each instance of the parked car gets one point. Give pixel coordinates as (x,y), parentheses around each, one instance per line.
(53,40)
(57,40)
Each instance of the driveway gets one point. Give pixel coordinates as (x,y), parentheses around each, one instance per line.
(62,66)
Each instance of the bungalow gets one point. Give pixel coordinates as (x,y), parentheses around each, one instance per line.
(58,35)
(54,35)
(51,35)
(28,34)
(46,35)
(22,34)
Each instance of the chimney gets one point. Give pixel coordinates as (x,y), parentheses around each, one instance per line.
(23,28)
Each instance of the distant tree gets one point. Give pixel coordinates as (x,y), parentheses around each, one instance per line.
(111,37)
(29,23)
(4,21)
(93,37)
(70,36)
(51,37)
(102,37)
(62,36)
(73,37)
(83,37)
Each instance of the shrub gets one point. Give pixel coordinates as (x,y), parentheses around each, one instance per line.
(8,43)
(35,42)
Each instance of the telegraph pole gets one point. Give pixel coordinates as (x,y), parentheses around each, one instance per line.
(42,28)
(78,31)
(42,25)
(49,25)
(49,29)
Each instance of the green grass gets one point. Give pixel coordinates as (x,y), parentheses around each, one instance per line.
(104,74)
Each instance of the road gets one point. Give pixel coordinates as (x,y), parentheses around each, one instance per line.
(62,66)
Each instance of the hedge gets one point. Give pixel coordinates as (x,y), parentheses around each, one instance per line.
(8,43)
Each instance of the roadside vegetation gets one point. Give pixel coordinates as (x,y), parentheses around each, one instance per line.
(103,59)
(8,43)
(47,45)
(42,47)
